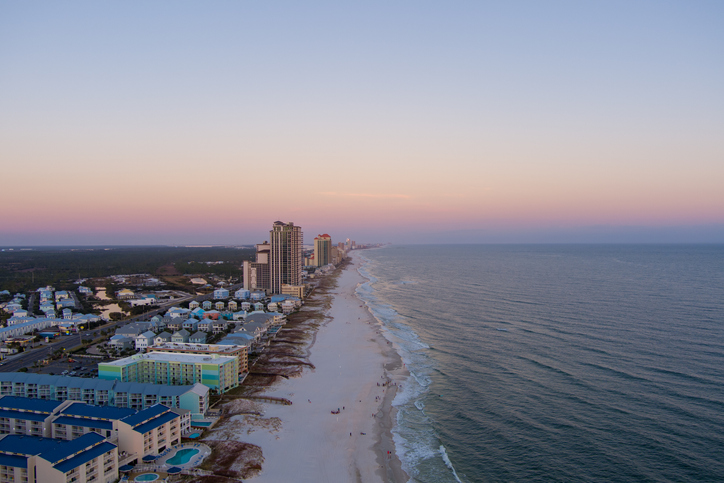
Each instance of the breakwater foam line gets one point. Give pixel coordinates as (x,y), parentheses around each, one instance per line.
(413,433)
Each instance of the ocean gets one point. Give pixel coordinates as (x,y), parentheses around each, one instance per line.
(540,363)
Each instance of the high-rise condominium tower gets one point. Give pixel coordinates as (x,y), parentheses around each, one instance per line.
(322,250)
(285,264)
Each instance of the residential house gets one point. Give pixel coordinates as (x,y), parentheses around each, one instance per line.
(125,294)
(175,324)
(221,294)
(178,312)
(180,336)
(212,314)
(162,338)
(198,338)
(191,325)
(121,342)
(145,340)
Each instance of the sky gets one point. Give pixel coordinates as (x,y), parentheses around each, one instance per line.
(179,122)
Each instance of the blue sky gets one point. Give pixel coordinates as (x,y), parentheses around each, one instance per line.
(405,121)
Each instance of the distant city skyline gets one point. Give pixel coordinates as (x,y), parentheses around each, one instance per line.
(136,123)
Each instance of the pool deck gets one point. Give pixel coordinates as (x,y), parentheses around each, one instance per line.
(161,462)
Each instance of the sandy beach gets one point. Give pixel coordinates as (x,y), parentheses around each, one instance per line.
(357,372)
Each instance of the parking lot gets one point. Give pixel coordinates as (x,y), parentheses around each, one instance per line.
(81,367)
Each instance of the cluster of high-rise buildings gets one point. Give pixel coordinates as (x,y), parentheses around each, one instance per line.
(278,265)
(326,253)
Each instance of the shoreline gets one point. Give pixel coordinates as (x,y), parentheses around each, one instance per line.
(339,425)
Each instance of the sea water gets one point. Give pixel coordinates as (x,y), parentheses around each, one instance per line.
(555,363)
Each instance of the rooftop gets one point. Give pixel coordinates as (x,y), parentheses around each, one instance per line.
(27,404)
(172,357)
(96,412)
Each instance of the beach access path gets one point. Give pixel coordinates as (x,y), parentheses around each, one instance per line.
(355,371)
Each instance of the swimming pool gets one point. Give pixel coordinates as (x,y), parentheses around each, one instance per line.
(182,456)
(204,424)
(147,477)
(194,435)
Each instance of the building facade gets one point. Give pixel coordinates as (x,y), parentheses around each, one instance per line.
(256,274)
(134,395)
(173,368)
(285,263)
(322,250)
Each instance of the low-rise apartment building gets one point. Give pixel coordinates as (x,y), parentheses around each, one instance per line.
(89,458)
(239,351)
(215,371)
(134,395)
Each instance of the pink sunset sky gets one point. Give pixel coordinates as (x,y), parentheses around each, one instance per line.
(181,123)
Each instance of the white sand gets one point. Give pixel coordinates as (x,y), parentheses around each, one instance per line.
(350,359)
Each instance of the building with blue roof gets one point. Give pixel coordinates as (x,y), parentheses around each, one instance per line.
(32,458)
(150,431)
(27,416)
(158,426)
(77,419)
(100,392)
(26,327)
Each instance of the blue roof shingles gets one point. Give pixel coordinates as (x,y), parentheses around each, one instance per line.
(27,445)
(97,412)
(146,414)
(27,404)
(13,460)
(155,422)
(84,422)
(23,415)
(63,455)
(69,448)
(84,457)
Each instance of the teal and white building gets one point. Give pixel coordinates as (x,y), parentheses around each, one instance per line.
(170,368)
